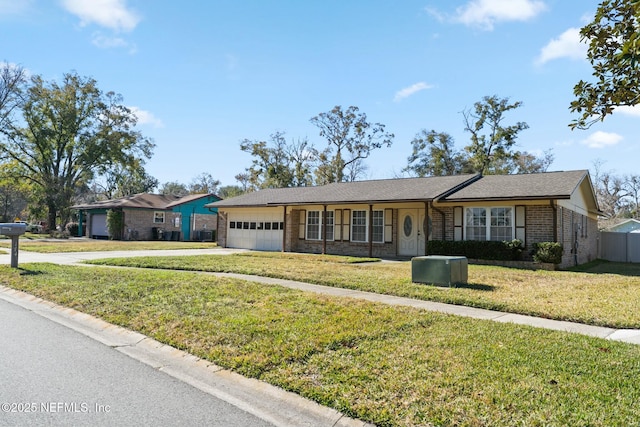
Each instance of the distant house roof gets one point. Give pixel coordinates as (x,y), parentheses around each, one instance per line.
(456,188)
(378,191)
(628,226)
(142,201)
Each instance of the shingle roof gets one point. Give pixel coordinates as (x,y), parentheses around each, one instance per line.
(141,201)
(384,190)
(548,185)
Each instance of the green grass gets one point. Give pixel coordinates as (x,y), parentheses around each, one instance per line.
(387,365)
(604,299)
(85,245)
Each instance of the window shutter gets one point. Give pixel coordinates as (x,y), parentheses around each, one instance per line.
(458,221)
(521,224)
(337,227)
(388,225)
(346,224)
(302,224)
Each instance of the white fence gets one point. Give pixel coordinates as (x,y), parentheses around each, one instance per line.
(619,247)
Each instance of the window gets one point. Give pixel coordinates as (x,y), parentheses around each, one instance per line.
(158,217)
(315,225)
(378,226)
(359,226)
(501,224)
(328,227)
(498,228)
(232,224)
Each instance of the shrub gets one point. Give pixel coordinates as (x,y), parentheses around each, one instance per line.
(474,249)
(72,229)
(550,252)
(115,224)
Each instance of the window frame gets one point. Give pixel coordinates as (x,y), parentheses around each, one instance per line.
(155,217)
(319,223)
(354,225)
(489,219)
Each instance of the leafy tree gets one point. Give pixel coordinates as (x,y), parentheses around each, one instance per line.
(121,181)
(491,142)
(12,82)
(174,188)
(434,155)
(632,188)
(277,164)
(614,53)
(14,195)
(610,191)
(204,184)
(228,191)
(68,132)
(351,139)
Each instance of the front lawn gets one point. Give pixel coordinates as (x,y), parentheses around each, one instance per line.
(605,299)
(387,365)
(48,245)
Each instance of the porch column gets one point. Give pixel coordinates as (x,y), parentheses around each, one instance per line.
(370,231)
(80,223)
(425,228)
(284,228)
(324,230)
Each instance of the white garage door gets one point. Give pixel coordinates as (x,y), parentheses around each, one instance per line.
(262,232)
(99,225)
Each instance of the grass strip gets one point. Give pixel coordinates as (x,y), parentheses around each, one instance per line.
(597,299)
(387,365)
(85,245)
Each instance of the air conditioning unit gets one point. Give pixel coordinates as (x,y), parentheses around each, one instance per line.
(439,270)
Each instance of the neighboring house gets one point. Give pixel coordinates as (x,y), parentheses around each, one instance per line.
(396,217)
(628,226)
(153,216)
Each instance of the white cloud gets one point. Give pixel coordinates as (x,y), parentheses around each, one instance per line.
(601,139)
(111,14)
(411,90)
(629,111)
(146,117)
(107,42)
(568,45)
(485,13)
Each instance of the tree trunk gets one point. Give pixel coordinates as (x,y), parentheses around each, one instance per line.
(51,217)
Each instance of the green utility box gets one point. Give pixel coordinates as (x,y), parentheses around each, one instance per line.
(439,270)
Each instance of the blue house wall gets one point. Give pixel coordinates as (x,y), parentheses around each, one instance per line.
(189,209)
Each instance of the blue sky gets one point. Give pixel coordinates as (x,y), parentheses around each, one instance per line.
(204,75)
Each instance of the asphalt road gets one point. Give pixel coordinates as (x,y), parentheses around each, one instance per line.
(53,375)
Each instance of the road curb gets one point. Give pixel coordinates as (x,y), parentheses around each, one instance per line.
(263,400)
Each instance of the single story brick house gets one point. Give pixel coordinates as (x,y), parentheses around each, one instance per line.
(395,217)
(153,216)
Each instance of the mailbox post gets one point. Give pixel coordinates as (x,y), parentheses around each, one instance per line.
(13,230)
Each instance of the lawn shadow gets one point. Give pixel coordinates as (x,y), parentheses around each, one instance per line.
(601,266)
(474,286)
(25,272)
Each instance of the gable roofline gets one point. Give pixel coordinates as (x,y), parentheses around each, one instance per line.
(416,189)
(146,201)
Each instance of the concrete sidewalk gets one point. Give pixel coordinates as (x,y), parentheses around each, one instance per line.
(626,335)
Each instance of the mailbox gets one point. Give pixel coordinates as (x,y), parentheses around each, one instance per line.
(13,228)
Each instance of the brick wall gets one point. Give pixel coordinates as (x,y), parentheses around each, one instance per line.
(295,244)
(579,237)
(141,220)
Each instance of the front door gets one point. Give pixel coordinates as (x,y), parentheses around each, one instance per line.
(411,231)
